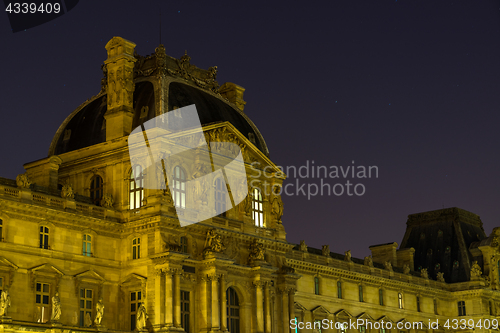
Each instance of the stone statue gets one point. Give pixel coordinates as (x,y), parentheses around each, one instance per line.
(107,201)
(475,271)
(369,261)
(256,252)
(23,181)
(4,302)
(214,242)
(277,208)
(142,317)
(325,250)
(440,276)
(67,192)
(388,265)
(406,269)
(424,274)
(56,308)
(88,320)
(347,256)
(303,246)
(99,311)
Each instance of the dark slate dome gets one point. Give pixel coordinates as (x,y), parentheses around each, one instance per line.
(86,126)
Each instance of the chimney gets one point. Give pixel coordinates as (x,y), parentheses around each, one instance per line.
(120,87)
(233,93)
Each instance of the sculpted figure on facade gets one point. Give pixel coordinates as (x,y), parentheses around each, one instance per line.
(325,250)
(214,242)
(303,246)
(67,192)
(440,276)
(388,265)
(475,271)
(142,317)
(107,201)
(99,312)
(406,269)
(56,308)
(424,274)
(347,256)
(23,181)
(4,302)
(88,320)
(277,208)
(368,261)
(256,252)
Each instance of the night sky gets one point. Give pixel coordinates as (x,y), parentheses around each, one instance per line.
(408,86)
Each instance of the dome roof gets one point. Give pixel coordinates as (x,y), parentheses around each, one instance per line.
(86,126)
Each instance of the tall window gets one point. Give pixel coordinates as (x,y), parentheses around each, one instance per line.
(42,302)
(418,303)
(44,237)
(135,301)
(1,230)
(257,208)
(136,248)
(381,296)
(96,190)
(435,306)
(233,311)
(86,301)
(185,310)
(317,325)
(184,244)
(362,329)
(220,197)
(87,245)
(360,290)
(400,300)
(339,289)
(461,308)
(296,326)
(490,304)
(1,285)
(316,285)
(136,187)
(179,185)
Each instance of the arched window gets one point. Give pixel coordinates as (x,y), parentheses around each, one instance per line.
(220,197)
(257,209)
(179,185)
(233,311)
(136,187)
(96,190)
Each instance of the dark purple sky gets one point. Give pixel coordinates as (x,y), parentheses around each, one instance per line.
(409,86)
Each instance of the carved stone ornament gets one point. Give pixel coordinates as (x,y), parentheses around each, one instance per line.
(277,208)
(347,256)
(475,271)
(388,265)
(440,276)
(424,274)
(303,246)
(56,308)
(223,135)
(4,302)
(368,261)
(214,242)
(203,79)
(23,181)
(99,312)
(406,269)
(256,252)
(107,201)
(141,316)
(67,192)
(325,250)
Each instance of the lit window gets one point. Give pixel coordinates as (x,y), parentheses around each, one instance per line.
(136,187)
(339,289)
(179,185)
(136,248)
(343,328)
(44,237)
(233,311)
(296,324)
(360,289)
(461,308)
(184,244)
(185,311)
(382,330)
(135,301)
(362,329)
(220,197)
(42,301)
(418,303)
(316,285)
(87,245)
(96,190)
(317,325)
(86,301)
(381,297)
(400,300)
(257,209)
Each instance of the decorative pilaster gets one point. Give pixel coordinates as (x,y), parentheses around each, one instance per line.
(259,305)
(223,304)
(267,308)
(215,302)
(168,298)
(177,298)
(291,304)
(285,309)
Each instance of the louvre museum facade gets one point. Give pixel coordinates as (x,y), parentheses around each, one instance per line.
(86,245)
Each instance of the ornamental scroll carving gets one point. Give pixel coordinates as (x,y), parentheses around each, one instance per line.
(23,181)
(203,79)
(257,252)
(223,135)
(67,192)
(213,243)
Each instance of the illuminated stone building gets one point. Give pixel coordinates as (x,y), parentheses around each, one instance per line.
(80,226)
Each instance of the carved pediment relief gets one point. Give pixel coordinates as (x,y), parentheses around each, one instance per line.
(45,271)
(90,277)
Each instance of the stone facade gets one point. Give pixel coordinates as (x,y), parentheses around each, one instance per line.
(85,248)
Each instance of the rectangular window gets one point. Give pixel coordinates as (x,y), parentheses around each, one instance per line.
(296,324)
(136,248)
(44,237)
(461,308)
(87,245)
(491,307)
(339,289)
(184,244)
(382,330)
(316,285)
(435,306)
(400,300)
(135,301)
(381,297)
(362,329)
(418,303)
(317,326)
(42,302)
(360,293)
(86,302)
(1,285)
(1,230)
(185,312)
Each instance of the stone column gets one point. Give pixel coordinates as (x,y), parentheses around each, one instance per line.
(267,308)
(168,298)
(259,306)
(204,302)
(291,306)
(215,302)
(177,298)
(284,308)
(157,318)
(223,304)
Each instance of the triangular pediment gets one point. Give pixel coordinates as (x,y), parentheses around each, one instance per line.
(364,315)
(134,279)
(89,275)
(7,265)
(385,319)
(300,307)
(320,309)
(46,269)
(343,314)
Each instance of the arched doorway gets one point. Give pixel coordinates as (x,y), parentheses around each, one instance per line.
(233,311)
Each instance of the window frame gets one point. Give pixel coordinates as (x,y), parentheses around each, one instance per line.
(136,192)
(316,285)
(339,289)
(43,314)
(381,296)
(96,190)
(136,248)
(85,309)
(360,293)
(186,310)
(237,319)
(400,301)
(136,302)
(44,232)
(87,245)
(258,208)
(461,309)
(179,181)
(220,196)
